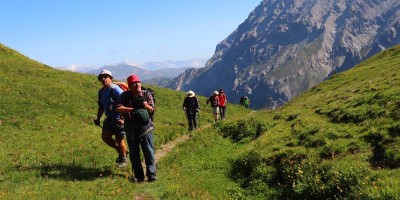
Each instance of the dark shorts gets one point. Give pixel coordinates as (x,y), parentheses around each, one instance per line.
(112,126)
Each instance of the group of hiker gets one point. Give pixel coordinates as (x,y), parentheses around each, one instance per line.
(218,104)
(192,107)
(129,112)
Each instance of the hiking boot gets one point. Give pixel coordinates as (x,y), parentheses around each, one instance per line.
(121,161)
(136,180)
(152,179)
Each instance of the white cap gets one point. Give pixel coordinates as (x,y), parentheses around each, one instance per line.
(104,71)
(190,93)
(216,92)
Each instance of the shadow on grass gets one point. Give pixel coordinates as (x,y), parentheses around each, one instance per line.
(70,172)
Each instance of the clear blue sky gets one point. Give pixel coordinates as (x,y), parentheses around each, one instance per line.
(97,32)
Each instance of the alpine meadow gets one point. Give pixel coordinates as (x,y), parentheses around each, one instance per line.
(339,140)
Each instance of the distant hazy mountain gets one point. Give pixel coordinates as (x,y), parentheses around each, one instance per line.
(156,71)
(78,68)
(195,63)
(285,47)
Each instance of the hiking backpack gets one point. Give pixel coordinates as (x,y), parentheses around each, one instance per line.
(124,86)
(152,93)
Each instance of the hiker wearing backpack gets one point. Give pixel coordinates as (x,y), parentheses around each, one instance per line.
(246,102)
(222,99)
(136,105)
(191,107)
(242,101)
(213,100)
(108,96)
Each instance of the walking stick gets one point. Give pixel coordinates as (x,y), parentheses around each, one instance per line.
(198,117)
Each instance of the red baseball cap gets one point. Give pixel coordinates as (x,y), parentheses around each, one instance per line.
(133,78)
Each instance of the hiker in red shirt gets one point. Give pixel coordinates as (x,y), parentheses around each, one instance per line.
(222,99)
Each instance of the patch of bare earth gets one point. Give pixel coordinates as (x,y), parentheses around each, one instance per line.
(166,148)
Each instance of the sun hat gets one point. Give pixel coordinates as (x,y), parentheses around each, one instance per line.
(215,92)
(190,93)
(104,71)
(133,78)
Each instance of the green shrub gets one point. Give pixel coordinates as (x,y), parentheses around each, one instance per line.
(328,152)
(392,158)
(394,130)
(289,175)
(243,168)
(353,148)
(242,129)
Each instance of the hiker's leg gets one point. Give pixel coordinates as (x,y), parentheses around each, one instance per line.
(119,138)
(134,152)
(107,138)
(121,145)
(222,111)
(134,156)
(216,113)
(194,117)
(147,145)
(190,120)
(108,132)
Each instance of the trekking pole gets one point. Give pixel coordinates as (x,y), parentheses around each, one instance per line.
(95,99)
(187,119)
(198,117)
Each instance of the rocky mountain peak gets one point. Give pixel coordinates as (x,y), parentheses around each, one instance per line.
(285,47)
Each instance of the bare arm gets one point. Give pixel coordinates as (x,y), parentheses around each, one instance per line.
(123,109)
(149,108)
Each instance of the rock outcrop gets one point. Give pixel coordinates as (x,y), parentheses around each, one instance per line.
(285,47)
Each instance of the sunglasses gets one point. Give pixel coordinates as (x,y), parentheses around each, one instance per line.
(101,77)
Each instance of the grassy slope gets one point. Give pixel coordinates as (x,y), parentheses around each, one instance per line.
(49,147)
(340,139)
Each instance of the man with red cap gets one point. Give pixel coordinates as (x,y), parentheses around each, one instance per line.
(136,105)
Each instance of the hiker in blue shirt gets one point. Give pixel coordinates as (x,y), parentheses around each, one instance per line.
(136,105)
(108,96)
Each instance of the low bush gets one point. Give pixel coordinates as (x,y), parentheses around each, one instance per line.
(293,176)
(242,130)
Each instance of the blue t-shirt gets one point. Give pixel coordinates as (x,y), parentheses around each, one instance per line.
(109,103)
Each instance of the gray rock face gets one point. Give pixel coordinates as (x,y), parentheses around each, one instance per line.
(285,47)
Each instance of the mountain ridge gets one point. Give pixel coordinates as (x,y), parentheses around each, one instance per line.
(286,47)
(148,70)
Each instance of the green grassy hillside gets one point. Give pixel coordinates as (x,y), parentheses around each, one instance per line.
(340,140)
(337,141)
(49,146)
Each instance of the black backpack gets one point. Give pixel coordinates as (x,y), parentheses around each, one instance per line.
(152,93)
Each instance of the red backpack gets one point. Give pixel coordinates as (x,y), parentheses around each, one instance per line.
(123,85)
